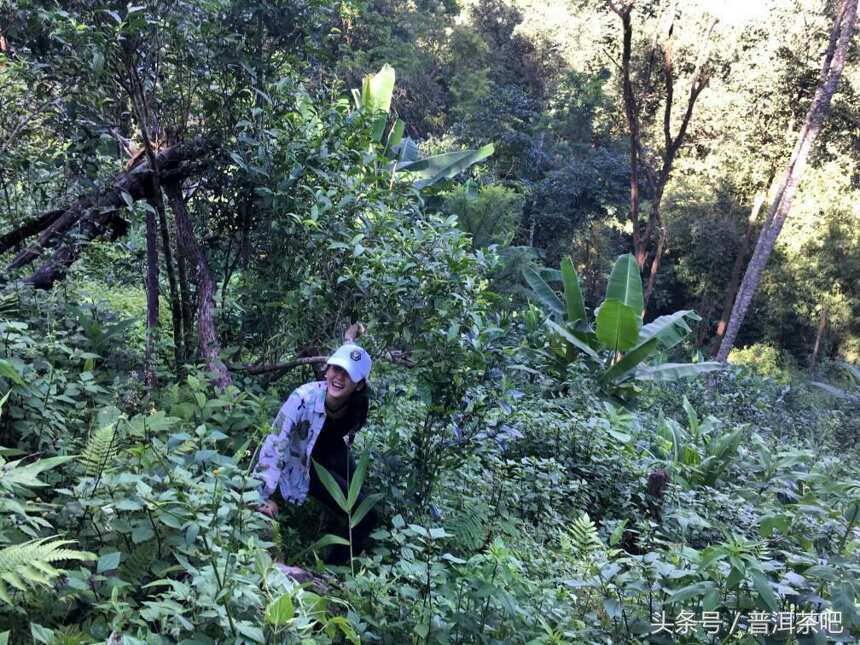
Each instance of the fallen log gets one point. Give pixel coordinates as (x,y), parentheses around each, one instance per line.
(67,231)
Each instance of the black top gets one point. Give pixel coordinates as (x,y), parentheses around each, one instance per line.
(330,441)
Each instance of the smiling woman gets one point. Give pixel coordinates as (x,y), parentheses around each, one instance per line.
(318,423)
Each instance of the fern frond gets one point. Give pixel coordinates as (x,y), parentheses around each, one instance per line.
(102,447)
(28,565)
(138,565)
(470,526)
(584,539)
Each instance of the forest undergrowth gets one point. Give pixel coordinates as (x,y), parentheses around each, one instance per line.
(556,517)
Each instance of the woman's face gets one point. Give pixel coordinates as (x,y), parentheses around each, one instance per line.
(340,385)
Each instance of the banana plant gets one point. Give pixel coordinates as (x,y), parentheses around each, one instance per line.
(852,395)
(618,347)
(374,98)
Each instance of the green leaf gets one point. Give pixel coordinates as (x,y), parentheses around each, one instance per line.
(327,540)
(280,611)
(108,562)
(331,486)
(357,480)
(431,170)
(376,93)
(842,596)
(675,371)
(618,325)
(762,586)
(542,292)
(572,292)
(834,391)
(669,330)
(617,533)
(773,522)
(625,284)
(631,359)
(363,509)
(10,372)
(4,638)
(41,634)
(573,339)
(691,591)
(394,138)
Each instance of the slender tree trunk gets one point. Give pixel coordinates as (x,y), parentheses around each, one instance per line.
(822,326)
(655,266)
(149,377)
(831,71)
(737,269)
(138,96)
(175,306)
(185,301)
(206,332)
(642,238)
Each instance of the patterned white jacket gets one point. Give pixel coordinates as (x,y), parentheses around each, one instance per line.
(285,458)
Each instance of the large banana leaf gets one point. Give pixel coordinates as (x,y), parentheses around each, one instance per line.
(395,137)
(572,292)
(628,363)
(835,391)
(618,325)
(625,284)
(574,339)
(431,170)
(853,370)
(669,330)
(542,292)
(376,92)
(675,371)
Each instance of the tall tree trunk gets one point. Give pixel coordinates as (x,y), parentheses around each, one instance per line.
(185,301)
(822,325)
(642,238)
(737,269)
(149,377)
(207,335)
(138,97)
(655,266)
(831,71)
(175,306)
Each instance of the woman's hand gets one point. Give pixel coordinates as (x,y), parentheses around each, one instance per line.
(268,508)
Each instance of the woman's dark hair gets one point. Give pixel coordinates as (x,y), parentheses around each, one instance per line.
(359,405)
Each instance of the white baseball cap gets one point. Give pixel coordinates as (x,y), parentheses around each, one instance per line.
(353,359)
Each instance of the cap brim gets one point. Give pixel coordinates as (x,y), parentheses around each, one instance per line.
(342,362)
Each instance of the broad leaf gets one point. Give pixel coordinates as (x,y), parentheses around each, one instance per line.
(675,371)
(573,339)
(10,372)
(572,292)
(631,359)
(331,486)
(280,611)
(542,292)
(357,480)
(394,138)
(376,93)
(669,330)
(834,391)
(691,591)
(363,509)
(431,170)
(618,325)
(625,284)
(328,540)
(762,586)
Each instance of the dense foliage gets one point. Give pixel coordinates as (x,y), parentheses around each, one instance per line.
(195,210)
